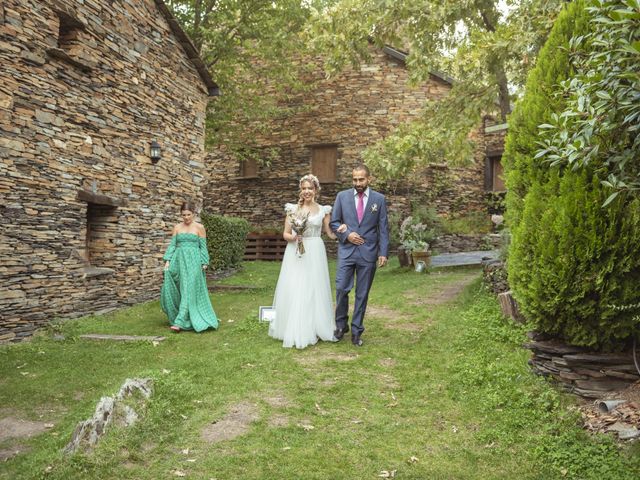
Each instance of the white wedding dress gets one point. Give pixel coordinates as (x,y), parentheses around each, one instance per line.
(303,301)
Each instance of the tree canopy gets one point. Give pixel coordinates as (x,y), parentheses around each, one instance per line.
(488,46)
(247,45)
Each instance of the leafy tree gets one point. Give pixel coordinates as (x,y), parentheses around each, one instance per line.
(249,46)
(600,124)
(487,50)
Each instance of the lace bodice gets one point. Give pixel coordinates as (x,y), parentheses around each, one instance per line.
(314,223)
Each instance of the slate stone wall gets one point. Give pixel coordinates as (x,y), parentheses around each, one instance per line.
(353,111)
(79,106)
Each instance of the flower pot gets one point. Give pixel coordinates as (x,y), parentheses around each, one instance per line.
(424,256)
(404,257)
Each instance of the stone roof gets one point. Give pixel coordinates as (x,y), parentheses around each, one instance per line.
(402,56)
(190,49)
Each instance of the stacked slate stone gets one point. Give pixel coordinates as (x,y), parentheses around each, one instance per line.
(588,374)
(494,274)
(454,243)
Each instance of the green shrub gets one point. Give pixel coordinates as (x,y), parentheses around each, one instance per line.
(226,239)
(572,262)
(473,222)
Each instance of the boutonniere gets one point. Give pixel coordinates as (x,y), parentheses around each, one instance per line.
(374,208)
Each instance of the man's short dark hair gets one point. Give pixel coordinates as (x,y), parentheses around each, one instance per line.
(363,167)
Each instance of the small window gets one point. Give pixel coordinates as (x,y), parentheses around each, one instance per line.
(494,174)
(72,42)
(68,31)
(99,238)
(324,163)
(102,223)
(249,168)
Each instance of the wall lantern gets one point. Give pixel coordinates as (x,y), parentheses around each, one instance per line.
(155,152)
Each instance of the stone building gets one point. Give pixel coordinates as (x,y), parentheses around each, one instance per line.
(86,207)
(343,116)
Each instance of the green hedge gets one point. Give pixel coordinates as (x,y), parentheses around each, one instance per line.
(226,240)
(572,262)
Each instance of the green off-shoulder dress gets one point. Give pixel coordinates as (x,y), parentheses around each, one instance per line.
(184,296)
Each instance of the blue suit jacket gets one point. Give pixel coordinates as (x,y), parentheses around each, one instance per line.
(374,227)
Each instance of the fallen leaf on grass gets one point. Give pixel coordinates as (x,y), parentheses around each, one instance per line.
(356,421)
(306,427)
(49,425)
(184,417)
(23,365)
(185,451)
(164,370)
(179,473)
(412,459)
(387,474)
(155,343)
(191,460)
(454,429)
(286,448)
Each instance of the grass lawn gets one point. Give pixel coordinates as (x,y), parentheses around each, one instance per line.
(440,390)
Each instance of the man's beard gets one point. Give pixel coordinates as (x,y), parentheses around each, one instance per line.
(360,189)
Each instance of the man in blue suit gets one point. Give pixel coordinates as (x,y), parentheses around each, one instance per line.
(362,246)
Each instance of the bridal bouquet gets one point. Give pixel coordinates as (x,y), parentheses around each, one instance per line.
(299,225)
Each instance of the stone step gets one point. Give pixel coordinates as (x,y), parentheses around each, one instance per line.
(123,338)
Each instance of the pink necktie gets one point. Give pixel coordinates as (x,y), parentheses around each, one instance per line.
(360,208)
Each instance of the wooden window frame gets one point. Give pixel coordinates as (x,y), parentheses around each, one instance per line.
(490,171)
(325,146)
(242,170)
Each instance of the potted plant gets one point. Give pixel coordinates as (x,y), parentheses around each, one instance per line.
(416,236)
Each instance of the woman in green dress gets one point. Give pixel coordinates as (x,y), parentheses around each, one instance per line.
(184,296)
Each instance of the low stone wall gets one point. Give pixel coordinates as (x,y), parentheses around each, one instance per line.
(579,371)
(455,243)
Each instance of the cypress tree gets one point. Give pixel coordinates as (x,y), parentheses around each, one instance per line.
(573,266)
(536,107)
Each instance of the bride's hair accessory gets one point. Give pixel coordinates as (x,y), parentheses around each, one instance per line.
(311,179)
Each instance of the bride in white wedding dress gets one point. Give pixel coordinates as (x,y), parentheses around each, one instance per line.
(303,301)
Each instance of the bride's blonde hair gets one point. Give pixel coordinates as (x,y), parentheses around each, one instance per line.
(313,180)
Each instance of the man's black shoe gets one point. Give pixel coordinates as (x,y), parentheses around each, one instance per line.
(356,340)
(339,333)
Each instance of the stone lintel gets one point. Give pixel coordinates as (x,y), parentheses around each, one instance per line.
(100,199)
(90,271)
(67,18)
(65,57)
(123,338)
